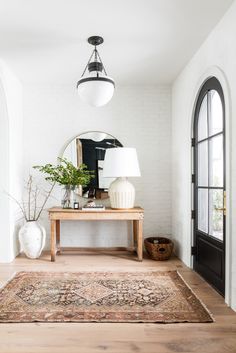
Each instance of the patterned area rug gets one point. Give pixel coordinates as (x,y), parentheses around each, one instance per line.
(100,297)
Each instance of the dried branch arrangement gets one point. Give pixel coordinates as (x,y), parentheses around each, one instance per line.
(30,206)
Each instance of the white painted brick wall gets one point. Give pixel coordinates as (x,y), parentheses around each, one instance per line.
(138,116)
(216,57)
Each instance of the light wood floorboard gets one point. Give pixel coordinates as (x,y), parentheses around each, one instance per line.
(217,337)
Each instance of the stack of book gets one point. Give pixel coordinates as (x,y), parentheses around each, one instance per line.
(93,208)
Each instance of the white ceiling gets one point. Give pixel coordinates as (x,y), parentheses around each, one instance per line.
(146,41)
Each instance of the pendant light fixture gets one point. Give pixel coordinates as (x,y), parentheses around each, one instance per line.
(95,88)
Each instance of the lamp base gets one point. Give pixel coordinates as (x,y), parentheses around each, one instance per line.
(122,194)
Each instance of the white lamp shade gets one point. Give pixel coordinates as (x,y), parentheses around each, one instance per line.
(121,162)
(96,91)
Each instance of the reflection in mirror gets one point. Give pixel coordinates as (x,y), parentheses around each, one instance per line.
(89,148)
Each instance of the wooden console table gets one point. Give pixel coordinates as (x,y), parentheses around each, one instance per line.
(135,215)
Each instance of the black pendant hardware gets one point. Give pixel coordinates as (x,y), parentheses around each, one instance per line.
(95,40)
(95,62)
(95,66)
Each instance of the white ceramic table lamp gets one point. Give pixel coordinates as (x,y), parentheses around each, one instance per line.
(120,163)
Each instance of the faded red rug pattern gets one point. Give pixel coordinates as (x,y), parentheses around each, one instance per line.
(101,297)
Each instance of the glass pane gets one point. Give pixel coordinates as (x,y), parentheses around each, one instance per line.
(203,210)
(216,215)
(203,163)
(202,120)
(216,161)
(216,113)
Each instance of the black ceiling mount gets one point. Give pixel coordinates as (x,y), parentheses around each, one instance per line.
(95,40)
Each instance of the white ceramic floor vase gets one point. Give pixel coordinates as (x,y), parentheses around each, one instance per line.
(32,238)
(122,194)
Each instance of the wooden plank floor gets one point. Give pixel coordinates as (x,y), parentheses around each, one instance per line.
(217,337)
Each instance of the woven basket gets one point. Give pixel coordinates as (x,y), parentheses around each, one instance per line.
(159,248)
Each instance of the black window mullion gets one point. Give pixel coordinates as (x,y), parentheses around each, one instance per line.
(210,187)
(208,154)
(211,137)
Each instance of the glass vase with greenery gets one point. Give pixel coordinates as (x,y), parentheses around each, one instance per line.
(67,175)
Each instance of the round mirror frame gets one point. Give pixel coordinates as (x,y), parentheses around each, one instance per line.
(91,152)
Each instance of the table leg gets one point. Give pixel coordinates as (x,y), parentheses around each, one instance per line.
(58,236)
(134,233)
(140,239)
(53,242)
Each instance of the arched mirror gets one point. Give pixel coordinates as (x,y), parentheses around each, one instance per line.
(89,148)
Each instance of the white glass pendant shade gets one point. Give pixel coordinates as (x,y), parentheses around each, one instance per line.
(96,91)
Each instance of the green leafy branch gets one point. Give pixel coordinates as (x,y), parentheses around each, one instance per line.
(66,173)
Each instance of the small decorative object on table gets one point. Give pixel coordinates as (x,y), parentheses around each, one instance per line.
(159,248)
(69,176)
(90,203)
(91,206)
(76,205)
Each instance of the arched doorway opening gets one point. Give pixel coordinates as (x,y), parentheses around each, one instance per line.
(5,238)
(210,184)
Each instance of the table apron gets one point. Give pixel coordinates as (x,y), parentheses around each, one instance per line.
(96,217)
